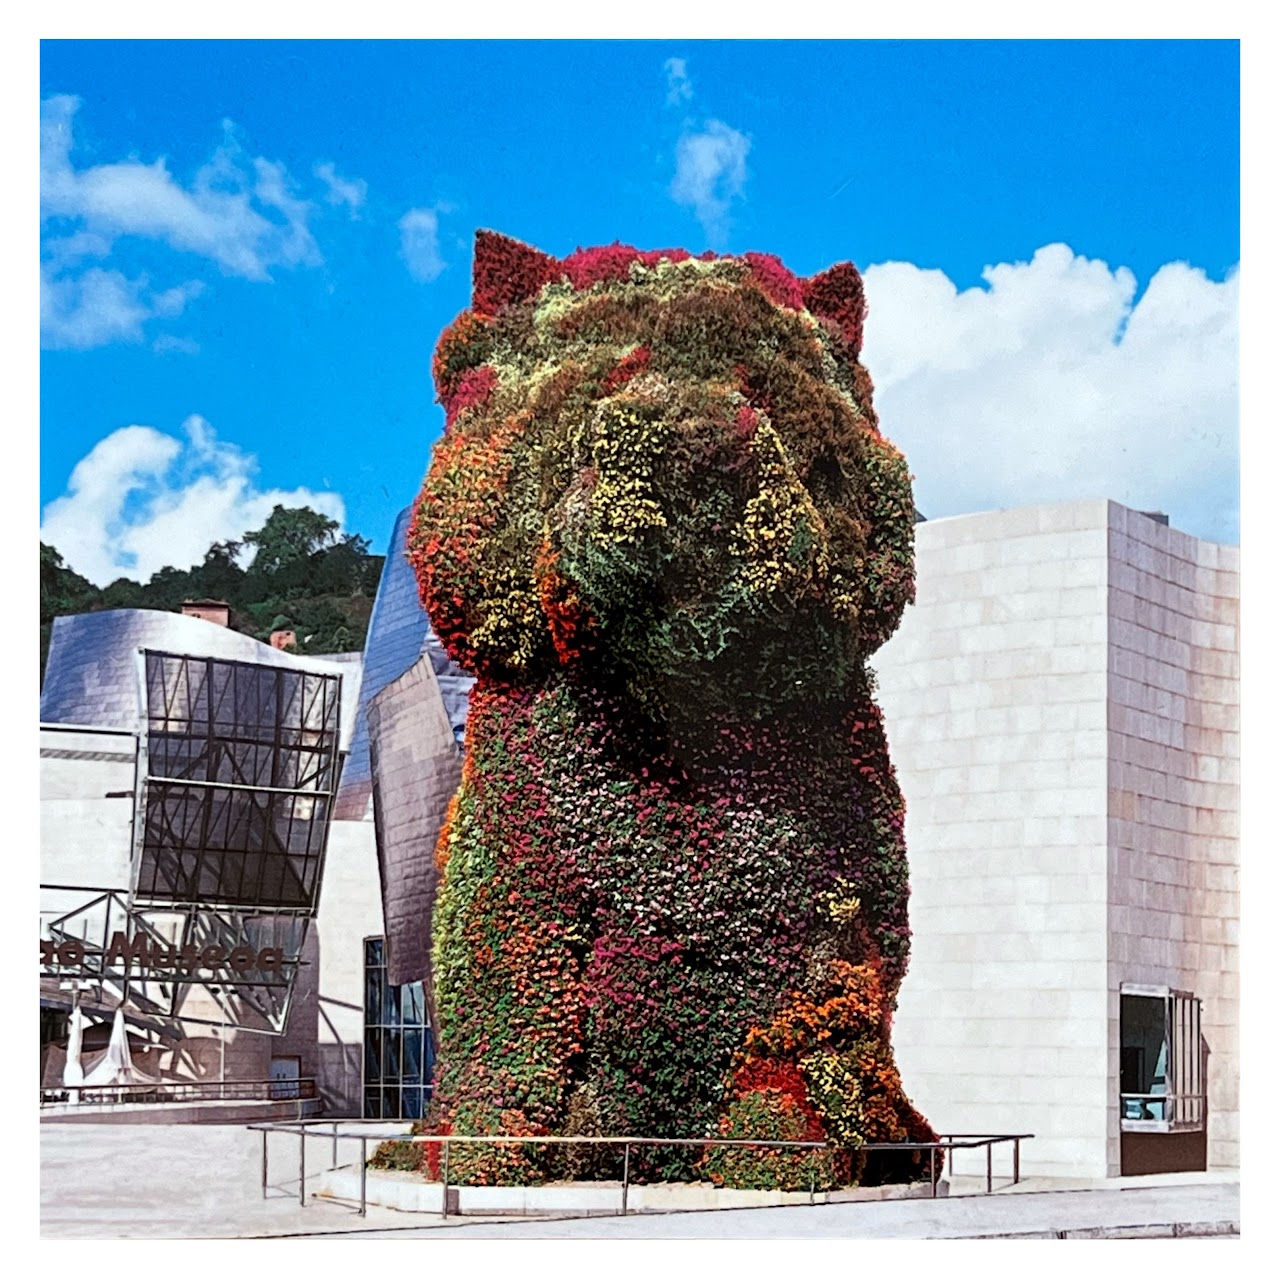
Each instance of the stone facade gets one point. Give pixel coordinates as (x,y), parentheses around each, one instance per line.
(1018,710)
(1173,792)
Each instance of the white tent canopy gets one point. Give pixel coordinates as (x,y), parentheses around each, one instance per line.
(115,1066)
(73,1071)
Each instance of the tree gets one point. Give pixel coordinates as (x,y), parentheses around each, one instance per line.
(342,567)
(220,577)
(168,588)
(62,589)
(124,593)
(290,535)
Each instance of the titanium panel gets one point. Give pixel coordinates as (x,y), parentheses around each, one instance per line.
(417,765)
(91,676)
(399,633)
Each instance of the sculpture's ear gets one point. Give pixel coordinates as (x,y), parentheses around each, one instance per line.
(836,295)
(507,271)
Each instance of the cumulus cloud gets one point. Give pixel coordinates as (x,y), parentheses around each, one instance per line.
(711,173)
(679,86)
(142,499)
(351,192)
(420,244)
(1055,380)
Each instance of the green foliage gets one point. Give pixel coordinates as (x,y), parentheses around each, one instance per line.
(764,1116)
(405,1157)
(62,590)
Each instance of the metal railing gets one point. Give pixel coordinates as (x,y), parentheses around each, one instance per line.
(178,1091)
(330,1129)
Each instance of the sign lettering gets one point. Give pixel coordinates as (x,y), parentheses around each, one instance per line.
(137,951)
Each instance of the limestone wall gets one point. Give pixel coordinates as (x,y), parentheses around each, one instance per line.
(1173,792)
(1062,705)
(994,692)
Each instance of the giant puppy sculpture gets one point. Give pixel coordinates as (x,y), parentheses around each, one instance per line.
(664,531)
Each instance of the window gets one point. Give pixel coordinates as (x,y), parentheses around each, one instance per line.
(1161,1060)
(397,1044)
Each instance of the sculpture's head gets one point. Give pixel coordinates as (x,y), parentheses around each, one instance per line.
(666,470)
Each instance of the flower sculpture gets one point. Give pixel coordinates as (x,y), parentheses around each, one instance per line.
(665,533)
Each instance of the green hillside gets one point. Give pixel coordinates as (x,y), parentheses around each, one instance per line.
(298,574)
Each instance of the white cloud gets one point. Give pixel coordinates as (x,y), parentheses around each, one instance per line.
(349,191)
(241,216)
(679,86)
(99,306)
(141,499)
(1056,381)
(711,172)
(65,251)
(420,244)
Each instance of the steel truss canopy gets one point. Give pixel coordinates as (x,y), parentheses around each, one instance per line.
(238,768)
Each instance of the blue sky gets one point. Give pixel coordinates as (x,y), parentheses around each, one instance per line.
(249,250)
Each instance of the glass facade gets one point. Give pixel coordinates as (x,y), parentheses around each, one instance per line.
(398,1058)
(242,765)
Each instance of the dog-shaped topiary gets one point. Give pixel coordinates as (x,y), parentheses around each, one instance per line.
(664,531)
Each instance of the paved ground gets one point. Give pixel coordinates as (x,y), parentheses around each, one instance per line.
(1207,1210)
(104,1181)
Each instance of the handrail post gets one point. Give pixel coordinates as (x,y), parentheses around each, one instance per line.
(264,1164)
(302,1166)
(626,1175)
(813,1175)
(1017,1151)
(364,1173)
(334,1154)
(933,1172)
(988,1167)
(444,1190)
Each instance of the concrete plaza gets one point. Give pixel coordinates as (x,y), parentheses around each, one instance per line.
(101,1181)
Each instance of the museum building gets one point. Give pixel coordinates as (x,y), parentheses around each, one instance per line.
(1062,707)
(201,789)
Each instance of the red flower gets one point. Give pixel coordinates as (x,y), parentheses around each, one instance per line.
(836,295)
(506,271)
(473,387)
(779,284)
